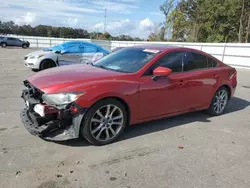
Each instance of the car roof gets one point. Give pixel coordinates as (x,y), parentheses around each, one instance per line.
(67,44)
(80,42)
(166,47)
(161,47)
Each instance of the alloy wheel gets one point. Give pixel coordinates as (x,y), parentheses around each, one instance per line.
(106,122)
(220,101)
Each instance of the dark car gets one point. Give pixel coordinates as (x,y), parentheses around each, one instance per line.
(11,41)
(126,87)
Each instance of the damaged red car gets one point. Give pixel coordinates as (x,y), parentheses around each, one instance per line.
(129,86)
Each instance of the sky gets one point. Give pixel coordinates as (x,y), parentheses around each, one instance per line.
(130,17)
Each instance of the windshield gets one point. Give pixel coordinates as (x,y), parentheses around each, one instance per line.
(127,60)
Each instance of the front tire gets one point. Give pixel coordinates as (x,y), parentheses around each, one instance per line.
(46,64)
(24,46)
(104,122)
(219,102)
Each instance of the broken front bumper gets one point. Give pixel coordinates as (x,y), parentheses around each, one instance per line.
(57,124)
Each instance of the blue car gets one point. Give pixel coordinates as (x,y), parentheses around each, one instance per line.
(72,52)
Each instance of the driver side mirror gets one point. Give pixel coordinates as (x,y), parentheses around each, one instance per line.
(161,72)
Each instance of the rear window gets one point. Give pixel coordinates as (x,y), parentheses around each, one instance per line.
(211,63)
(194,61)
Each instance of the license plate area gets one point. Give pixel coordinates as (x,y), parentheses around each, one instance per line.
(39,109)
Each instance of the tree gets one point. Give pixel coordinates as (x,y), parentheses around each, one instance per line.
(241,21)
(178,22)
(157,33)
(243,33)
(210,20)
(248,30)
(105,36)
(50,31)
(166,8)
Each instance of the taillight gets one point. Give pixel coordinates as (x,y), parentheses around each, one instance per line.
(233,77)
(231,73)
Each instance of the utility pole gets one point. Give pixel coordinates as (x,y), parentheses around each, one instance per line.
(105,21)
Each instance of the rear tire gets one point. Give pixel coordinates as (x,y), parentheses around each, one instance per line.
(104,122)
(4,45)
(46,64)
(219,102)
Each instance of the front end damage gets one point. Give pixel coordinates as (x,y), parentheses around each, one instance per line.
(56,123)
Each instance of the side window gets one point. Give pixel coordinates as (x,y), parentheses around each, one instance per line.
(193,61)
(172,61)
(211,63)
(90,49)
(73,49)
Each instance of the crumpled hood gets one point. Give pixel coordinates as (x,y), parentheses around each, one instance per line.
(69,78)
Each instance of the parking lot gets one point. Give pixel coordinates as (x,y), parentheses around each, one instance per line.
(192,150)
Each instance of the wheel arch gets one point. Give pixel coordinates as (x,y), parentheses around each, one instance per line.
(122,101)
(228,89)
(47,59)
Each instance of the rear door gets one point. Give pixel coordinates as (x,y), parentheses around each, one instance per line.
(201,79)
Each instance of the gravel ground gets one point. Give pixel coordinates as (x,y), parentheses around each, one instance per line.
(215,151)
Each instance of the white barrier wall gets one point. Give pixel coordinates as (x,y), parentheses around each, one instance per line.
(237,54)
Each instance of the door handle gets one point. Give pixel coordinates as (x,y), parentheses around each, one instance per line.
(181,82)
(216,76)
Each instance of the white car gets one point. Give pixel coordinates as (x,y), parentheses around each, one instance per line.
(72,52)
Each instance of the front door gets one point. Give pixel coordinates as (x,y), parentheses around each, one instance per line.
(72,55)
(88,53)
(165,95)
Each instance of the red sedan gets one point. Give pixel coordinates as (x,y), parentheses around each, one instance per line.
(129,86)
